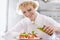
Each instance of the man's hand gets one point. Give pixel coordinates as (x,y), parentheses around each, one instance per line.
(49,29)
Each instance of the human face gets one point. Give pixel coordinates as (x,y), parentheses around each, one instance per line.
(28,11)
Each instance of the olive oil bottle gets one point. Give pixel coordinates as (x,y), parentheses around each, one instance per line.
(43,30)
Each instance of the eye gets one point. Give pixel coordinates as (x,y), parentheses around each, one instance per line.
(24,12)
(29,9)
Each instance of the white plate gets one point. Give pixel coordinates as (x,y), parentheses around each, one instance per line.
(29,39)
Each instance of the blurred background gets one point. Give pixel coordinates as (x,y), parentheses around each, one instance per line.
(9,17)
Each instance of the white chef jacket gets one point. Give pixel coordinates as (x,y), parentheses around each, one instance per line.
(25,25)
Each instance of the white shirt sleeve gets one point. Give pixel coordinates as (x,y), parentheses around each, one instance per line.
(14,32)
(51,21)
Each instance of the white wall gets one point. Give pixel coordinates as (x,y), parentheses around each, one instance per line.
(13,17)
(3,5)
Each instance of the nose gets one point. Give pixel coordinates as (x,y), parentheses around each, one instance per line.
(28,12)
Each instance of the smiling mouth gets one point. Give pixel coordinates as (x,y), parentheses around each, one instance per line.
(30,16)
